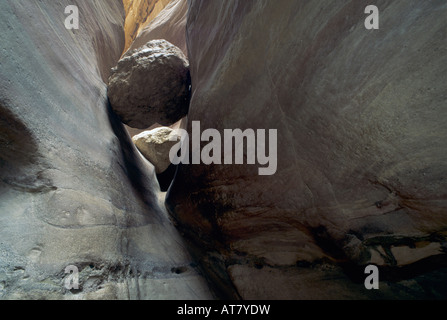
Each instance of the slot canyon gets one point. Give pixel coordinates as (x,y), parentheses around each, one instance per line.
(85,177)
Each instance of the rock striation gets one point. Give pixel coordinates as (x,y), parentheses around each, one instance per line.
(73,188)
(139,13)
(361,148)
(151,85)
(362,153)
(169,24)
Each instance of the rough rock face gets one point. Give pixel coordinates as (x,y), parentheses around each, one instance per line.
(362,154)
(155,146)
(170,24)
(151,85)
(73,188)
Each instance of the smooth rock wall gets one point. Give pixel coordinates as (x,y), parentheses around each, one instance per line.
(169,24)
(139,13)
(362,155)
(73,188)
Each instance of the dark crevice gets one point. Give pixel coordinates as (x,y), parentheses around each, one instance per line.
(391,272)
(18,146)
(131,161)
(165,178)
(327,243)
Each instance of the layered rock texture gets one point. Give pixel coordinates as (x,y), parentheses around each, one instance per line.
(73,188)
(362,154)
(139,13)
(151,85)
(170,25)
(362,157)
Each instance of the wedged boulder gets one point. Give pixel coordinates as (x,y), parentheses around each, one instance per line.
(155,145)
(151,85)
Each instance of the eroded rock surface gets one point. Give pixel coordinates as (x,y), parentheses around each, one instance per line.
(169,24)
(151,85)
(362,154)
(73,188)
(139,13)
(155,146)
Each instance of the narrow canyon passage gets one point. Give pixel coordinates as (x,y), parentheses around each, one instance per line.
(359,154)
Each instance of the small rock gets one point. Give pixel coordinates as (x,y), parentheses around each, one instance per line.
(155,146)
(151,85)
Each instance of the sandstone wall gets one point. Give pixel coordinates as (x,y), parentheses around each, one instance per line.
(73,188)
(362,152)
(170,24)
(138,14)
